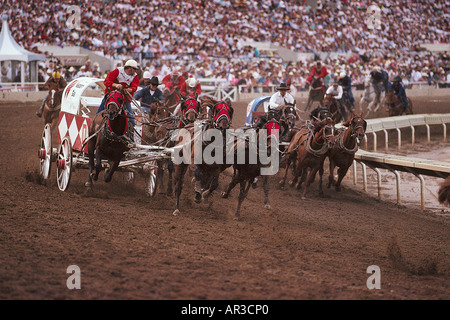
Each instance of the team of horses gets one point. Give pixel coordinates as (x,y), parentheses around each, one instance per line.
(309,144)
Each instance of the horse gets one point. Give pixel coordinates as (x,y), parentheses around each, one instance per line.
(316,93)
(52,107)
(156,132)
(444,192)
(337,114)
(109,131)
(287,121)
(346,144)
(298,134)
(206,175)
(311,153)
(394,106)
(190,110)
(246,173)
(369,97)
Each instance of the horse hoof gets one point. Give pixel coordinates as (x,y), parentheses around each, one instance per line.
(303,198)
(224,195)
(268,207)
(88,184)
(176,212)
(198,198)
(237,217)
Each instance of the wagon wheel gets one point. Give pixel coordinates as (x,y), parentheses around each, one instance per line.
(151,178)
(64,164)
(45,153)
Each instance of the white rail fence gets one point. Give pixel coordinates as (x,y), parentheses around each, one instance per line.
(395,163)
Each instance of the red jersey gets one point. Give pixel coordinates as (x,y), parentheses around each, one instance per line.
(197,90)
(119,76)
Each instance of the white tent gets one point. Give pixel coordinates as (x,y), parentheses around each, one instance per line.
(10,50)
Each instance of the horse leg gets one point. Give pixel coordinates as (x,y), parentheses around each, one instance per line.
(331,176)
(212,186)
(320,180)
(308,104)
(304,174)
(242,194)
(288,163)
(266,193)
(169,182)
(110,172)
(179,172)
(341,174)
(311,175)
(91,148)
(232,184)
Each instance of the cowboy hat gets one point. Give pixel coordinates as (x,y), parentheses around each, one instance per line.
(155,81)
(283,86)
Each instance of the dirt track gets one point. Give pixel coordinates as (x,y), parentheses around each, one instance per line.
(129,246)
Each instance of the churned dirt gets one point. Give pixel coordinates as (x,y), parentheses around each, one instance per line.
(130,246)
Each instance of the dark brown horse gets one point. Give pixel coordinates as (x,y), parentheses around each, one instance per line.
(311,153)
(109,139)
(52,106)
(245,171)
(172,96)
(394,106)
(345,145)
(316,93)
(206,172)
(444,192)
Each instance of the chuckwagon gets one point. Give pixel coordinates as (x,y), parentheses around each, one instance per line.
(80,99)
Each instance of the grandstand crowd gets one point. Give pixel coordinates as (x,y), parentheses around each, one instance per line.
(206,39)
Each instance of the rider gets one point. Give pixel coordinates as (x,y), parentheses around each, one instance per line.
(318,71)
(191,85)
(380,79)
(175,78)
(336,92)
(123,78)
(279,99)
(345,82)
(149,94)
(55,81)
(400,92)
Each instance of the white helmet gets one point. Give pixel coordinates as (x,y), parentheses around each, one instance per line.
(342,74)
(131,63)
(146,75)
(191,82)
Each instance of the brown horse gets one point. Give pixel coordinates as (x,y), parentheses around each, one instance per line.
(444,192)
(394,106)
(246,172)
(52,107)
(338,114)
(299,133)
(108,131)
(346,144)
(316,93)
(157,132)
(311,153)
(206,173)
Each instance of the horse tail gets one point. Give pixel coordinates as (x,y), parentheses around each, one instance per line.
(444,192)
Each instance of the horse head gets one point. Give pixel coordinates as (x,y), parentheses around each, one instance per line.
(326,131)
(290,115)
(358,126)
(221,114)
(273,130)
(316,84)
(115,104)
(190,108)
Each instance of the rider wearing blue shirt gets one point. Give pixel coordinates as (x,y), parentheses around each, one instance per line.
(149,95)
(400,92)
(346,84)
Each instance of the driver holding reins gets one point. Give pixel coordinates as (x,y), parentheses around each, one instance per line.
(123,78)
(318,71)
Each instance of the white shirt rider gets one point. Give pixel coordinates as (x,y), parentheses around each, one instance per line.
(281,98)
(335,91)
